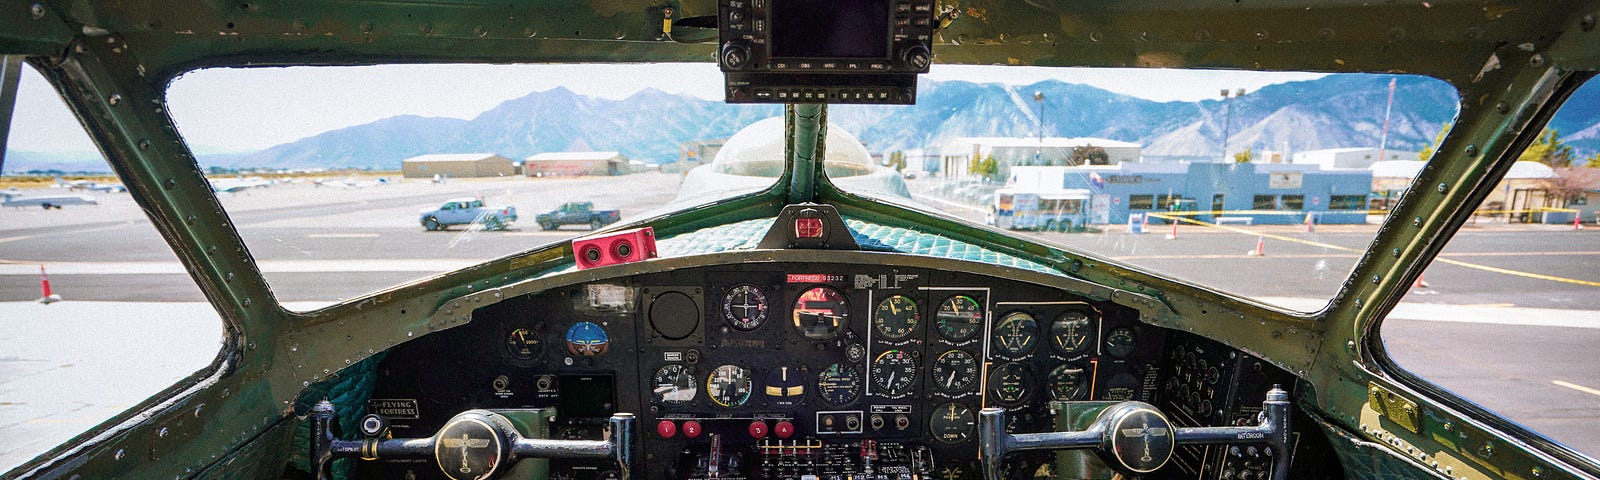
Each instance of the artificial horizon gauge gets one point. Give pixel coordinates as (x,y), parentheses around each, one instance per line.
(893,372)
(958,318)
(1121,342)
(1015,335)
(586,339)
(951,423)
(675,385)
(784,387)
(1070,333)
(955,372)
(896,317)
(745,308)
(820,312)
(839,385)
(1010,383)
(729,386)
(523,344)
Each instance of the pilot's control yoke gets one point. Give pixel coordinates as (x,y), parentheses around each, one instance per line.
(473,444)
(1135,438)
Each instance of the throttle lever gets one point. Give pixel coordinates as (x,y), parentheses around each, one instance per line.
(1134,437)
(472,444)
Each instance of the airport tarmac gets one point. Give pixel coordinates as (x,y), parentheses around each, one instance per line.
(1480,326)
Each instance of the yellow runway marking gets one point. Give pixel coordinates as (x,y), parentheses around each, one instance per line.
(1577,387)
(1458,263)
(341,235)
(13,239)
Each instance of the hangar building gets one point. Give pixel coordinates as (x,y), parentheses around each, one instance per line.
(458,165)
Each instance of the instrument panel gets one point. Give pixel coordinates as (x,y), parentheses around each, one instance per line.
(780,371)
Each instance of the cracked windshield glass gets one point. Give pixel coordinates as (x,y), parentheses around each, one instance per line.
(346,180)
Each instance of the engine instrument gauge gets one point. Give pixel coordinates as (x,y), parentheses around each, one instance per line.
(1015,335)
(896,317)
(820,312)
(523,344)
(1121,342)
(784,387)
(955,371)
(1070,333)
(674,385)
(893,372)
(839,384)
(1067,382)
(951,423)
(745,308)
(958,318)
(1010,383)
(586,339)
(729,385)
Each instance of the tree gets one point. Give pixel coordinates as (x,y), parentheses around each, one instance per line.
(1089,155)
(1593,162)
(1244,157)
(897,159)
(1571,183)
(987,167)
(1430,147)
(1548,149)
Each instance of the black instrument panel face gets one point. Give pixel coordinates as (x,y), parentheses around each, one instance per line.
(779,371)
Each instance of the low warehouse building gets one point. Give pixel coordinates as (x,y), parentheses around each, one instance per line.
(457,165)
(576,164)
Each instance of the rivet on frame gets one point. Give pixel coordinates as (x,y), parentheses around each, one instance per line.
(1536,60)
(115,99)
(169,183)
(120,453)
(1587,24)
(162,432)
(1472,150)
(366,27)
(1375,279)
(1094,36)
(1416,222)
(38,12)
(1442,188)
(190,219)
(144,144)
(246,302)
(1396,252)
(1502,107)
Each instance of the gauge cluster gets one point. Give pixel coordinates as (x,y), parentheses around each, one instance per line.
(782,371)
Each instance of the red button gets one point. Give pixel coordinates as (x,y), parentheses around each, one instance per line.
(691,429)
(758,429)
(666,429)
(783,429)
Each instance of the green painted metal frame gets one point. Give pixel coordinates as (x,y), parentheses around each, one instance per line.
(1512,63)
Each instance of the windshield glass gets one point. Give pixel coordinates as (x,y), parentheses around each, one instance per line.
(1268,185)
(346,180)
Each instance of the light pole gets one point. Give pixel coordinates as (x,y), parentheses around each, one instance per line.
(1038,97)
(1227,120)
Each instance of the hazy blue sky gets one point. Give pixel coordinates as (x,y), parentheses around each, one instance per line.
(251,109)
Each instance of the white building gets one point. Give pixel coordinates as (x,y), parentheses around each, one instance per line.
(1361,157)
(956,154)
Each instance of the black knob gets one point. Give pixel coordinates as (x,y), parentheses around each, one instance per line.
(916,58)
(735,56)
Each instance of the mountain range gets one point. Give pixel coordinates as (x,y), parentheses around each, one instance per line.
(1335,111)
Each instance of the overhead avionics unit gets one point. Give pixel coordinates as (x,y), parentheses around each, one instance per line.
(824,51)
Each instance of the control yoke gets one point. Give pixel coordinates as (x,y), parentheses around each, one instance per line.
(1135,438)
(473,444)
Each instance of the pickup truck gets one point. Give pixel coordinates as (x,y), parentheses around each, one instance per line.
(464,211)
(578,213)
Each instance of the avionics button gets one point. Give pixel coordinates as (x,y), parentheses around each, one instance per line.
(763,94)
(783,429)
(666,428)
(758,429)
(691,429)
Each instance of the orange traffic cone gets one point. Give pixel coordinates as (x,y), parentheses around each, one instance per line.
(1261,248)
(1174,234)
(1577,221)
(1310,223)
(44,284)
(1420,283)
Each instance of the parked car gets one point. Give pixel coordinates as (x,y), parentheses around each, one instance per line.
(578,213)
(465,211)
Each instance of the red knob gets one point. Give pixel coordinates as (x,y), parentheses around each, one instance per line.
(666,429)
(691,429)
(758,429)
(783,429)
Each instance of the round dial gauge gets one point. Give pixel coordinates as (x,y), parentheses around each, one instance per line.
(1121,342)
(1067,382)
(729,385)
(784,387)
(675,385)
(820,312)
(839,384)
(896,317)
(586,339)
(958,318)
(1122,386)
(955,371)
(523,344)
(1015,335)
(1070,334)
(893,372)
(744,308)
(951,423)
(1010,383)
